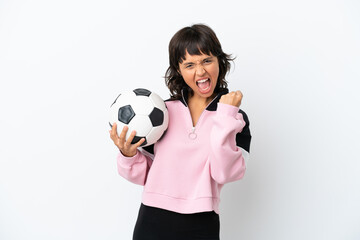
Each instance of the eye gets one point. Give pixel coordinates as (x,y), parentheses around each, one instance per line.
(207,61)
(189,66)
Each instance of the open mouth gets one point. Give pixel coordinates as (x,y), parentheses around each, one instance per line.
(204,85)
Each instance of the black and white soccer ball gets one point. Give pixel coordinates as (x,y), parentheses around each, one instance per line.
(143,111)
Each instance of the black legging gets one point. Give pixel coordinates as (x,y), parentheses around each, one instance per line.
(159,224)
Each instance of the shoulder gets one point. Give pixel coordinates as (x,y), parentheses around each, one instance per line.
(243,138)
(245,116)
(173,103)
(171,100)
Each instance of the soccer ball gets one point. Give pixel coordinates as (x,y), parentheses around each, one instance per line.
(143,111)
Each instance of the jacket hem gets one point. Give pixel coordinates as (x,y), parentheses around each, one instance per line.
(185,206)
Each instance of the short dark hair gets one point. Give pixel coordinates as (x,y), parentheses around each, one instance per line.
(196,40)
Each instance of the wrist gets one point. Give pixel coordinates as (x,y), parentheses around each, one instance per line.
(227,109)
(128,155)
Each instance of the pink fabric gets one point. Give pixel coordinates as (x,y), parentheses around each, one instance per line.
(186,175)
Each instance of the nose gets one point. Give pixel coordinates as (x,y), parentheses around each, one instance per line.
(200,70)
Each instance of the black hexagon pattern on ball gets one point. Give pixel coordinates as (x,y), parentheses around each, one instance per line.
(142,92)
(156,117)
(125,114)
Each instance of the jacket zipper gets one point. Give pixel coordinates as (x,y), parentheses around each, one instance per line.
(192,134)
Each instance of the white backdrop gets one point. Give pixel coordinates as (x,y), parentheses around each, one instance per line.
(62,63)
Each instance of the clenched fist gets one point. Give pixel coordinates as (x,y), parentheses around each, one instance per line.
(232,98)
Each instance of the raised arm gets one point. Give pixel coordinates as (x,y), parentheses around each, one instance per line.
(230,140)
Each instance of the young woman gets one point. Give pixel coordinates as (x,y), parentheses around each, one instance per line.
(205,146)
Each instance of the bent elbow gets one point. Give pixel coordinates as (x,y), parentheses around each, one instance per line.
(226,177)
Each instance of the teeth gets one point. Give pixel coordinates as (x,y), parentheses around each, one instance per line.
(202,81)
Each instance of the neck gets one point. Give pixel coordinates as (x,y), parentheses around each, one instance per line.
(200,101)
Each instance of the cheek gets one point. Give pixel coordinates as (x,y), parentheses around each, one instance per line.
(215,72)
(187,77)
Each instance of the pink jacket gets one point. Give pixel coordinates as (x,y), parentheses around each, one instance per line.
(186,169)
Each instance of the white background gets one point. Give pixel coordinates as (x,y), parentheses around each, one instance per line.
(62,63)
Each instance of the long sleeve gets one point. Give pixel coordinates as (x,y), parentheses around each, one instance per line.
(230,144)
(134,169)
(191,163)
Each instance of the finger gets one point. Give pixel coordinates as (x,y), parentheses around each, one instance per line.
(122,136)
(223,97)
(239,94)
(129,140)
(240,97)
(113,131)
(138,144)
